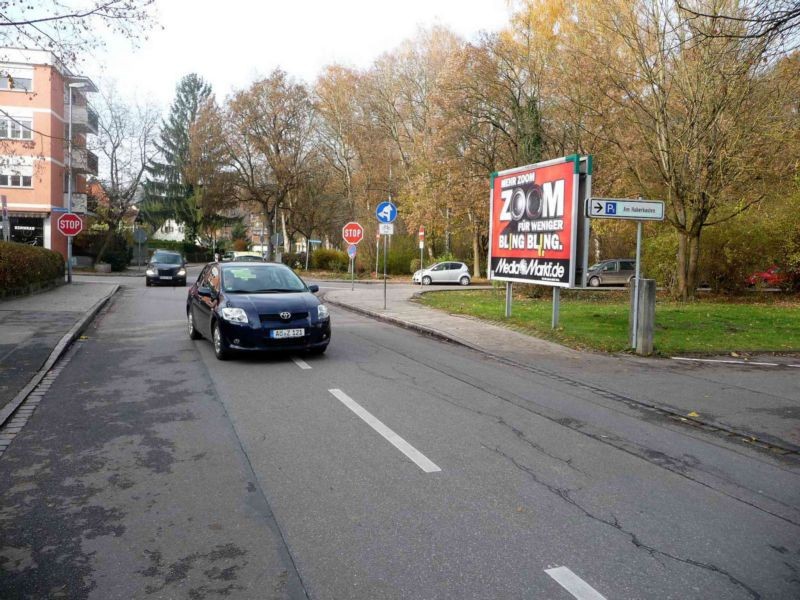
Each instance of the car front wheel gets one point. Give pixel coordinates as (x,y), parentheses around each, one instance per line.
(594,282)
(464,280)
(426,280)
(220,347)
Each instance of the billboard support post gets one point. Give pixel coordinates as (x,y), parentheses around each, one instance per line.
(556,306)
(509,291)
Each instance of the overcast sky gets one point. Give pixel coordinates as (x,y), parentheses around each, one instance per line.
(231,43)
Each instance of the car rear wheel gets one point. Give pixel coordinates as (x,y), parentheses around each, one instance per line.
(220,347)
(193,333)
(594,282)
(464,280)
(426,280)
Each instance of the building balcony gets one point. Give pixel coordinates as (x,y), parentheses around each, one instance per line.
(78,202)
(84,161)
(84,119)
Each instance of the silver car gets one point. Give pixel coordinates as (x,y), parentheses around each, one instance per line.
(615,271)
(443,272)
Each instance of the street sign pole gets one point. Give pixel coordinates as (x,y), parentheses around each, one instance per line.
(384,271)
(556,303)
(421,247)
(635,333)
(509,290)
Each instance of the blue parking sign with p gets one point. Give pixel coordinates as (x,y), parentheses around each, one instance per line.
(386,212)
(611,208)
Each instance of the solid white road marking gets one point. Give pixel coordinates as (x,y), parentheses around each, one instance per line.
(574,584)
(732,362)
(301,363)
(422,461)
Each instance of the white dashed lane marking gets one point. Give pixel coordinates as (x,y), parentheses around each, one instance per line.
(422,461)
(301,363)
(574,584)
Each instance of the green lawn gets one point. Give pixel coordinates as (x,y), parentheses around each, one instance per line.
(600,320)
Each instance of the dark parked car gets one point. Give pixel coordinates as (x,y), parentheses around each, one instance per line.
(166,267)
(249,306)
(615,271)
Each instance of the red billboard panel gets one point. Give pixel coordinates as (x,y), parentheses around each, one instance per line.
(533,223)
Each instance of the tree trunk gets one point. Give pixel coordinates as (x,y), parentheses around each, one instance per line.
(680,270)
(106,241)
(692,264)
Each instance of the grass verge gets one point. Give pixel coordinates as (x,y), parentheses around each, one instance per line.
(599,320)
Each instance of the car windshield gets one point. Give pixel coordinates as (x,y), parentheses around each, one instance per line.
(261,279)
(597,266)
(167,259)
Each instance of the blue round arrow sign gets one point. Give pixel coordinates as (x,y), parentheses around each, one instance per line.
(386,212)
(351,250)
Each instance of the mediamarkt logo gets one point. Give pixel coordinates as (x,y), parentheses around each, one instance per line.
(535,268)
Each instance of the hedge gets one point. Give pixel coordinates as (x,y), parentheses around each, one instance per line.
(25,268)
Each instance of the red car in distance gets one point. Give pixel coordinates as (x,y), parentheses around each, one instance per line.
(772,277)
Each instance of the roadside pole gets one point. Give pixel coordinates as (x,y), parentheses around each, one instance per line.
(352,275)
(308,248)
(421,253)
(377,252)
(509,290)
(6,223)
(635,332)
(556,303)
(384,271)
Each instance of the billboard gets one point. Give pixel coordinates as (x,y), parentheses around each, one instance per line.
(536,222)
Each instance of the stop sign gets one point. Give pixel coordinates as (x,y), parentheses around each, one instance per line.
(352,232)
(69,224)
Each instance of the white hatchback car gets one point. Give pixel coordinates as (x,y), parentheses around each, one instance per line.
(443,272)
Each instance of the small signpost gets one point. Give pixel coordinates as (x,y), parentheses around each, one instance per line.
(632,210)
(352,233)
(386,212)
(69,224)
(421,248)
(351,252)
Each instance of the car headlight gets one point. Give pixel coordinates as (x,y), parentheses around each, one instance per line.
(182,273)
(234,315)
(151,270)
(322,312)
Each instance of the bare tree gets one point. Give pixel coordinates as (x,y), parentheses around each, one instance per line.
(69,29)
(125,141)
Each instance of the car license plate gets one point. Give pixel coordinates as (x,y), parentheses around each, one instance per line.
(280,334)
(165,277)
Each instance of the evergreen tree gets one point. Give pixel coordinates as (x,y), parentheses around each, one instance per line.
(166,191)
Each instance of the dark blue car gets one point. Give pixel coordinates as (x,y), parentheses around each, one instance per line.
(246,306)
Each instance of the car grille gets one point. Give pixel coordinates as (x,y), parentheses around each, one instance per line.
(276,317)
(167,271)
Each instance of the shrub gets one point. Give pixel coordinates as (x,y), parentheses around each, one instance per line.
(295,260)
(330,260)
(24,267)
(241,245)
(118,253)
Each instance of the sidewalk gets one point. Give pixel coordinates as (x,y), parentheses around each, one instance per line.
(762,403)
(32,328)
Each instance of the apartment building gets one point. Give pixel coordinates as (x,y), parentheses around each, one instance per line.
(35,93)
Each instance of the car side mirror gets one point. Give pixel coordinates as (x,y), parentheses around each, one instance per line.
(313,288)
(205,291)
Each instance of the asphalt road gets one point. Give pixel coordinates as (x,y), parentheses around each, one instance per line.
(394,466)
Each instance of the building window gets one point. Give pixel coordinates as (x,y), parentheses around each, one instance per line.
(16,129)
(16,180)
(8,82)
(27,230)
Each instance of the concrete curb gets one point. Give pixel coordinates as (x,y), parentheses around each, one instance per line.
(64,343)
(755,439)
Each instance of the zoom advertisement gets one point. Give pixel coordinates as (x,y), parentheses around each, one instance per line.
(532,223)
